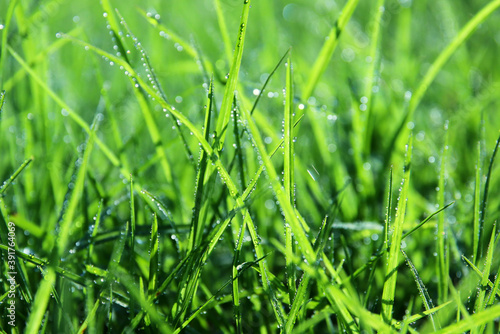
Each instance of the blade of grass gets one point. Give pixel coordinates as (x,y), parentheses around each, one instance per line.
(485,201)
(426,299)
(227,100)
(477,319)
(5,32)
(289,181)
(477,201)
(393,260)
(154,258)
(196,224)
(328,48)
(462,36)
(11,179)
(442,248)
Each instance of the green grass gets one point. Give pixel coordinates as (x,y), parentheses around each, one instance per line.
(250,166)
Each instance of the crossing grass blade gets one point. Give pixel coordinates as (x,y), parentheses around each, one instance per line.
(396,237)
(426,299)
(328,48)
(223,29)
(196,223)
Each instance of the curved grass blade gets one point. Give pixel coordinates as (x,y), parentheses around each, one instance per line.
(462,36)
(227,100)
(328,48)
(224,175)
(393,260)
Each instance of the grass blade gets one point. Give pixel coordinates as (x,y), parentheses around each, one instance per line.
(289,181)
(422,289)
(328,48)
(485,201)
(393,260)
(442,242)
(477,201)
(227,100)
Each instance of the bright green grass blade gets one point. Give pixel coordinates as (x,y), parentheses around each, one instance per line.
(227,100)
(114,28)
(5,33)
(426,299)
(2,100)
(154,258)
(479,272)
(485,201)
(372,76)
(289,181)
(41,302)
(224,175)
(480,302)
(155,84)
(476,211)
(441,60)
(70,212)
(159,208)
(223,30)
(393,260)
(89,322)
(290,214)
(328,48)
(170,35)
(236,269)
(422,314)
(427,219)
(475,320)
(298,300)
(11,179)
(388,213)
(95,228)
(62,272)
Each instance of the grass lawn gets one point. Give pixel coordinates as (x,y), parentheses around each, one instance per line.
(222,166)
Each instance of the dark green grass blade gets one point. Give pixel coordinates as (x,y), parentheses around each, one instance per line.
(442,248)
(328,48)
(426,299)
(482,216)
(393,257)
(227,100)
(268,79)
(388,213)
